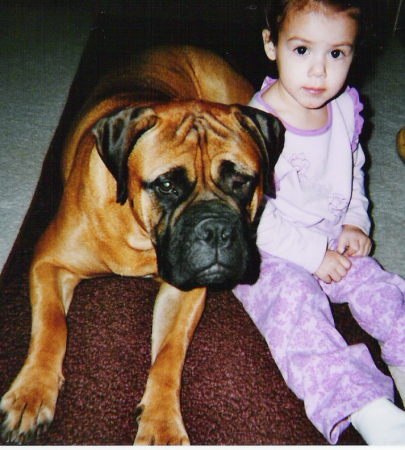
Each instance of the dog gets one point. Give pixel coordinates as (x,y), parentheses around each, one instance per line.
(164,173)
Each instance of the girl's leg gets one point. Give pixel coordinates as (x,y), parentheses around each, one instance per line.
(376,300)
(293,314)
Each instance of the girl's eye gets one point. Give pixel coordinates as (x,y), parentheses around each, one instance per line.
(301,50)
(337,54)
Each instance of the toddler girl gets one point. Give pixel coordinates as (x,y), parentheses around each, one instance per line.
(313,237)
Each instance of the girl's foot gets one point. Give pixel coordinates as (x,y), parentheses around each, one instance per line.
(380,423)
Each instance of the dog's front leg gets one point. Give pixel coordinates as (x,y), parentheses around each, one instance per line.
(29,405)
(175,318)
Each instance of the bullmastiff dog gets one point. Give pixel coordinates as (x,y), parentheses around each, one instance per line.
(164,172)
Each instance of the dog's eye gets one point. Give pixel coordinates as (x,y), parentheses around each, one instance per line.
(170,187)
(167,187)
(238,184)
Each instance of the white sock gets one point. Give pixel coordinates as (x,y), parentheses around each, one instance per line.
(380,423)
(398,375)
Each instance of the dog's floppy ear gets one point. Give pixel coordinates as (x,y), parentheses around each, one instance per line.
(268,132)
(116,136)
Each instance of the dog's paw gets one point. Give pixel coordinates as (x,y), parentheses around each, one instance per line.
(29,405)
(160,429)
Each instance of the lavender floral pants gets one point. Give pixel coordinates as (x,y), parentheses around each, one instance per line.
(290,308)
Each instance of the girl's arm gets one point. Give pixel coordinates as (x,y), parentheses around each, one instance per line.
(354,238)
(357,212)
(283,239)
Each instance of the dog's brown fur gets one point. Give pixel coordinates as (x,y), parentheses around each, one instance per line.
(93,234)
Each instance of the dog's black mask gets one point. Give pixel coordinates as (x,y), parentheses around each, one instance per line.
(210,245)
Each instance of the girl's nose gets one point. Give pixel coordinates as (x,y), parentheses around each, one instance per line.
(317,69)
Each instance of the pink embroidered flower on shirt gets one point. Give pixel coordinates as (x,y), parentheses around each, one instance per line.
(300,163)
(337,206)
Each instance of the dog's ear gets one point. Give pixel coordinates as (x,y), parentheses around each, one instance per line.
(116,136)
(268,132)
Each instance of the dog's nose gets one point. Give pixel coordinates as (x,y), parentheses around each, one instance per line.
(215,232)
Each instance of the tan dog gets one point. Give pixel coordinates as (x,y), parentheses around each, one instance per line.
(153,187)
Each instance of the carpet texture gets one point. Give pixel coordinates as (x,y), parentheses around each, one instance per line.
(232,390)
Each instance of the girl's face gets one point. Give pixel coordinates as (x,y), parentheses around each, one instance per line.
(313,56)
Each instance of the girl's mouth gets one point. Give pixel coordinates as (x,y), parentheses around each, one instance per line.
(314,91)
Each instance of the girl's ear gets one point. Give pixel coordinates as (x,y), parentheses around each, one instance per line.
(269,46)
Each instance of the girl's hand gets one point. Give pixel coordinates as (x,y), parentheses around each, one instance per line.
(353,242)
(334,267)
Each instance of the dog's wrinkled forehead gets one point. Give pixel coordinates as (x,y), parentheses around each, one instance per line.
(210,150)
(214,129)
(189,116)
(198,133)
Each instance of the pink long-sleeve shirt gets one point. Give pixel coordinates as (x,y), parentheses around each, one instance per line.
(320,184)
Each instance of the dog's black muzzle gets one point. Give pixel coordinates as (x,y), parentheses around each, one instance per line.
(210,245)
